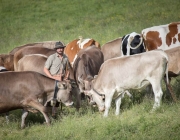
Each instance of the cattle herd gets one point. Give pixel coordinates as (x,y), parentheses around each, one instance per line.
(102,73)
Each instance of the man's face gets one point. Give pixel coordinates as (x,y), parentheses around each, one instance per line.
(60,51)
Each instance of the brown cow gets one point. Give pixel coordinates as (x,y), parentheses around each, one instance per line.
(45,44)
(173,62)
(76,45)
(162,36)
(112,49)
(36,62)
(87,65)
(31,50)
(173,67)
(26,90)
(32,62)
(6,60)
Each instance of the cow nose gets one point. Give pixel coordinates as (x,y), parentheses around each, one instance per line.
(92,103)
(101,109)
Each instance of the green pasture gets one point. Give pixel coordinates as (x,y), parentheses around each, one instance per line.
(28,21)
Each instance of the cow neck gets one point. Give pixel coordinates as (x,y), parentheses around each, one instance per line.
(97,92)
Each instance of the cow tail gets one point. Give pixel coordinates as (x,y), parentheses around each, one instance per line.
(166,68)
(167,80)
(167,77)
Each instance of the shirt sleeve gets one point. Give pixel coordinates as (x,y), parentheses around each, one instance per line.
(48,62)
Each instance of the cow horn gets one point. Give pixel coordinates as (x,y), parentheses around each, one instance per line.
(131,38)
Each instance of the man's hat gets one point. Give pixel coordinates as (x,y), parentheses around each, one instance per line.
(59,45)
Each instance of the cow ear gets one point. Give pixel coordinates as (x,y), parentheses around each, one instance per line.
(60,85)
(80,80)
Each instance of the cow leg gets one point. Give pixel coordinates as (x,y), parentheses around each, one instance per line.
(129,94)
(41,108)
(7,117)
(108,100)
(23,118)
(149,91)
(170,90)
(157,94)
(118,102)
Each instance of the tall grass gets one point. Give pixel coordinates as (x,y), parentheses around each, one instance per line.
(27,21)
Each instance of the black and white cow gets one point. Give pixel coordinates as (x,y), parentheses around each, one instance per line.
(132,44)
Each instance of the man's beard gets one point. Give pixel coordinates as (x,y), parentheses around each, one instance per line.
(60,53)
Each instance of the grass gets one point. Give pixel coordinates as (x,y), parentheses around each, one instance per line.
(134,123)
(24,21)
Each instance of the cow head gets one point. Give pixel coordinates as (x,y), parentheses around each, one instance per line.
(96,98)
(64,93)
(132,44)
(6,60)
(85,84)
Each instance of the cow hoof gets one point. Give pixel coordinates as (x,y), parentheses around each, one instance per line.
(23,126)
(48,124)
(152,111)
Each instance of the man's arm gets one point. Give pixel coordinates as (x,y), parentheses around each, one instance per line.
(55,77)
(67,75)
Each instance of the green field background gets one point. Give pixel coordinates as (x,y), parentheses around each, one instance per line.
(28,21)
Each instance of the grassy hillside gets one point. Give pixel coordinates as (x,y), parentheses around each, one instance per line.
(24,21)
(27,21)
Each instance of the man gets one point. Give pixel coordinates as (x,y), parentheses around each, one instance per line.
(57,67)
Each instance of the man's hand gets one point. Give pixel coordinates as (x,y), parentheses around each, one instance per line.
(57,77)
(65,78)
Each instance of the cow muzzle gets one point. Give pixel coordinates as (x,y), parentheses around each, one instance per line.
(101,109)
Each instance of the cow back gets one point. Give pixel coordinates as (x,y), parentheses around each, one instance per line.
(88,62)
(173,61)
(45,44)
(112,49)
(76,45)
(31,50)
(162,36)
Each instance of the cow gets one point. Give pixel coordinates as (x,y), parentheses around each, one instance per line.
(6,60)
(36,62)
(31,50)
(32,62)
(45,44)
(173,67)
(73,47)
(3,69)
(30,90)
(129,44)
(123,73)
(112,49)
(173,64)
(162,36)
(87,65)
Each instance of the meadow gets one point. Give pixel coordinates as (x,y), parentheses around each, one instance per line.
(28,21)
